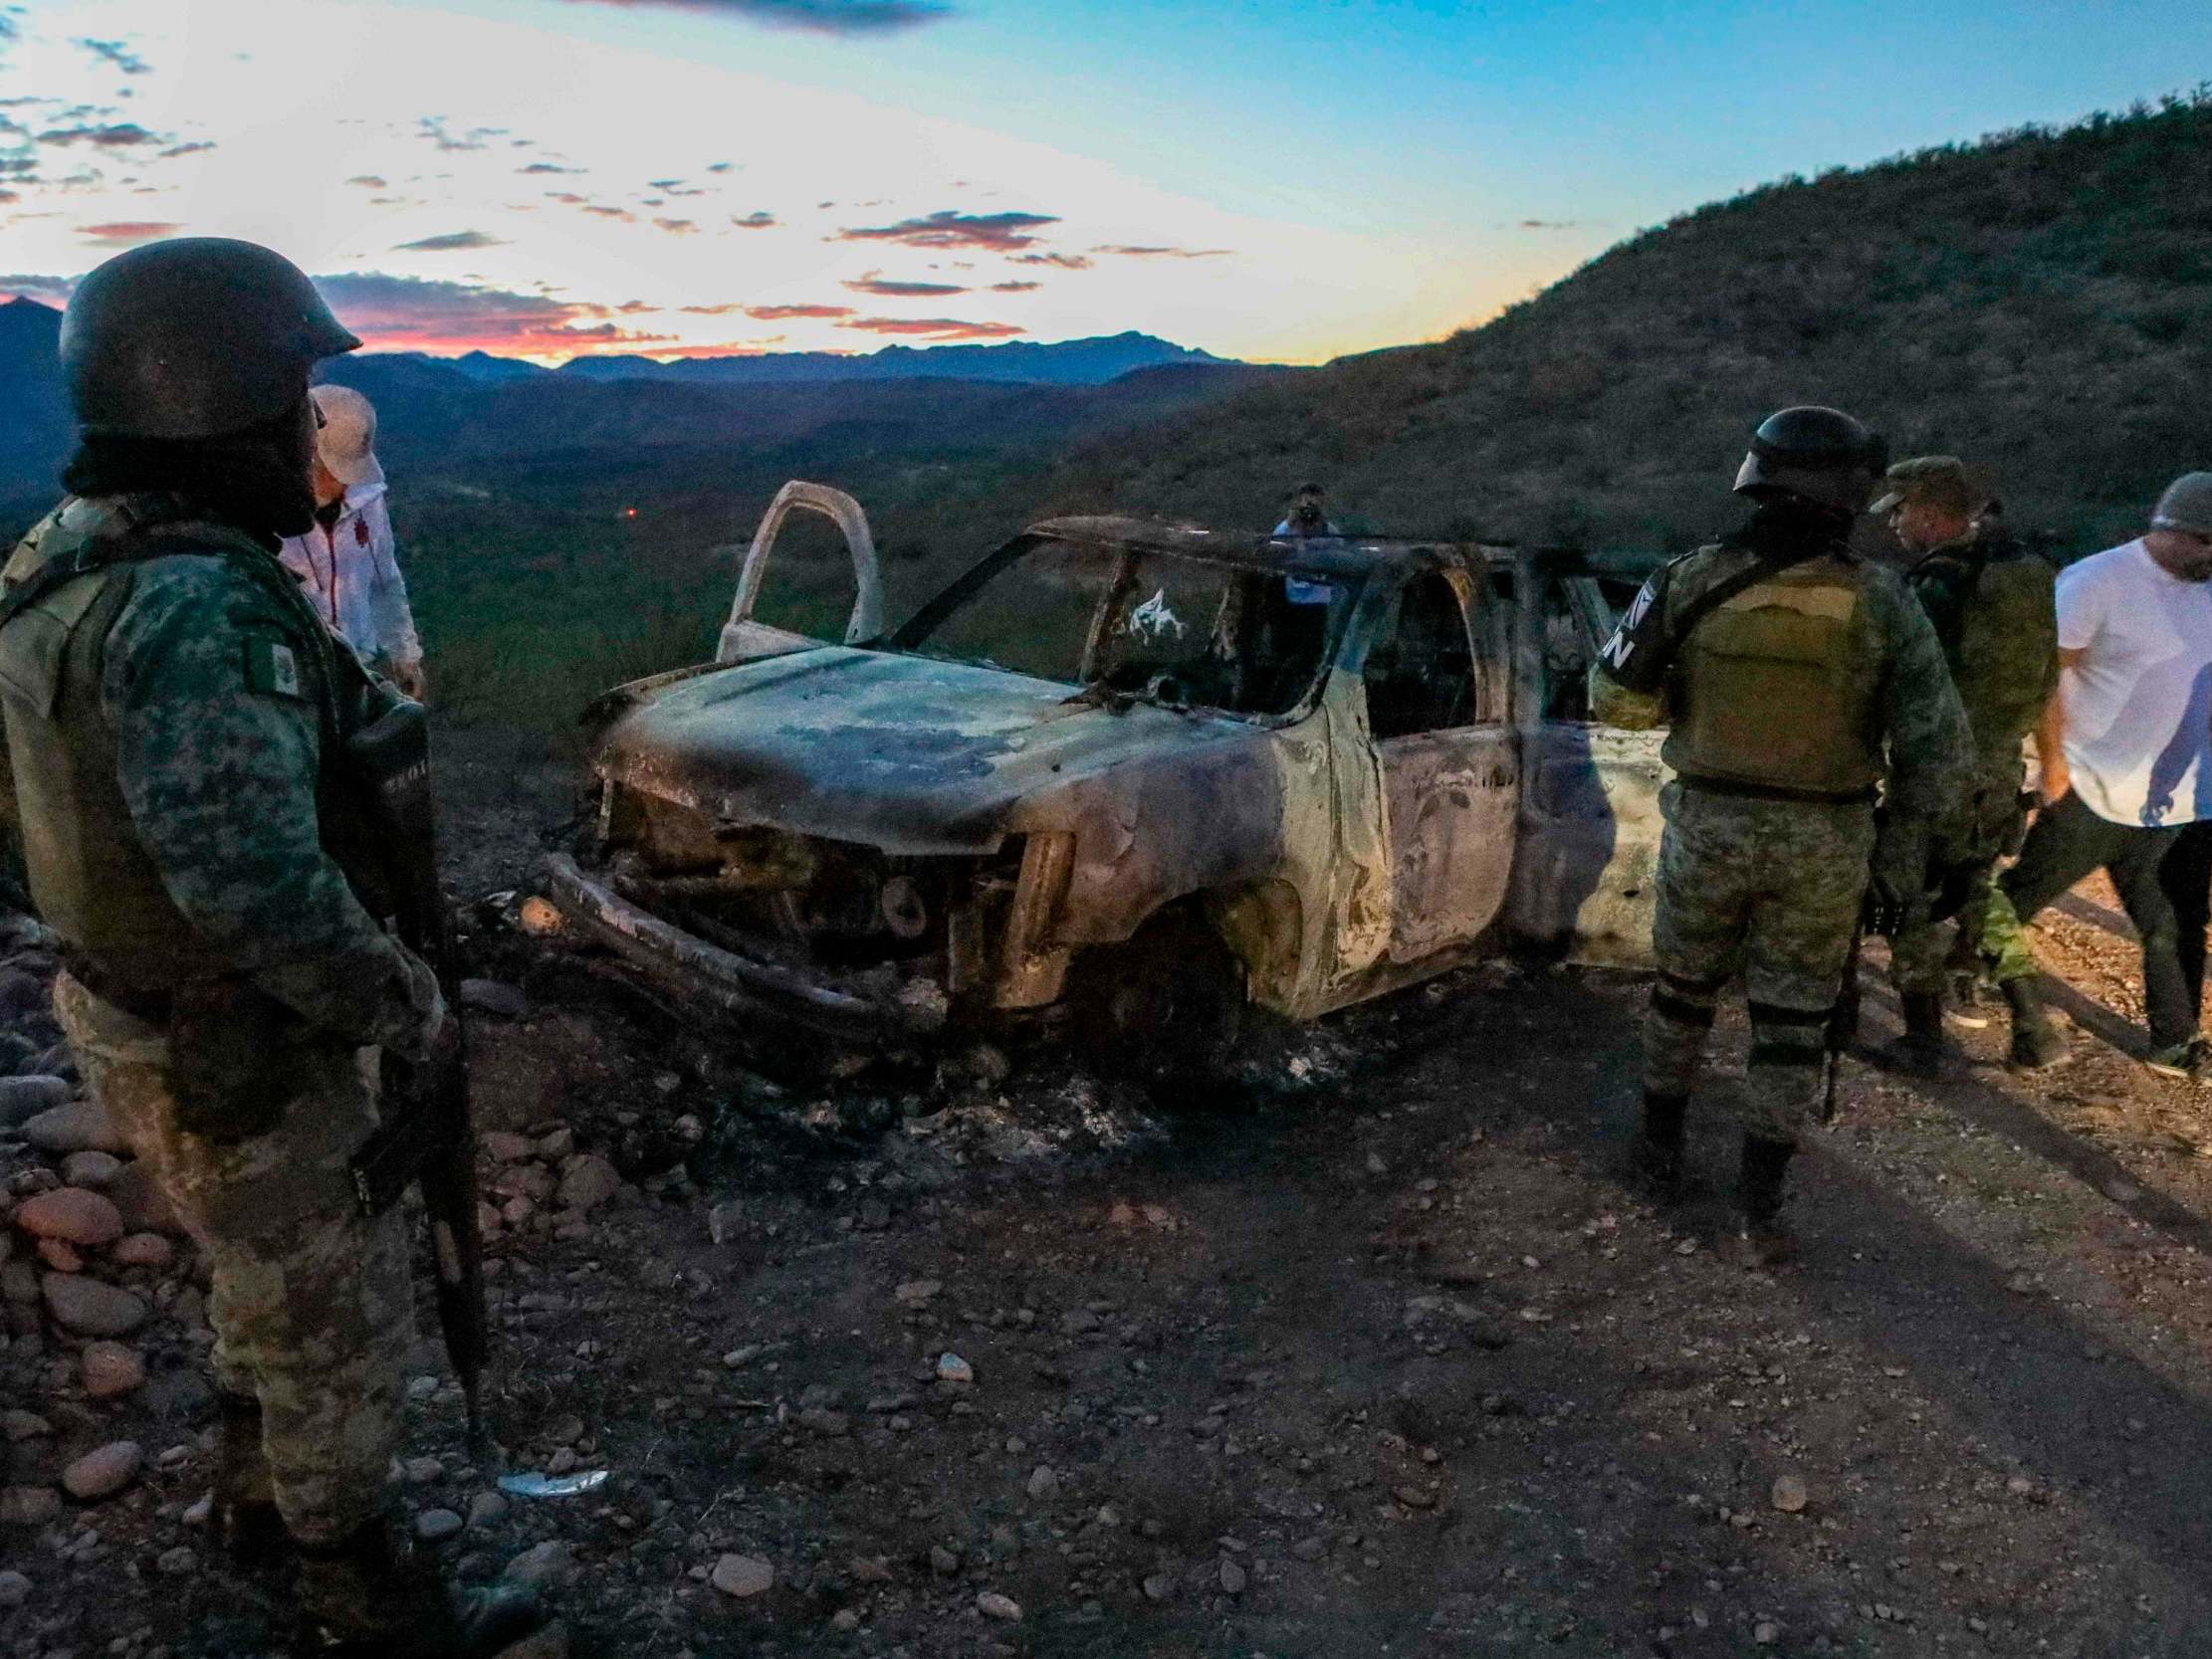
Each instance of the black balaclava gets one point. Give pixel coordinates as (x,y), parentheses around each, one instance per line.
(259,480)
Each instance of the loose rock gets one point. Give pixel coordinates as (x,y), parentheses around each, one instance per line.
(539,917)
(1233,1579)
(71,1214)
(103,1473)
(88,1308)
(542,1566)
(953,1369)
(589,1183)
(741,1577)
(29,1506)
(1004,1609)
(436,1525)
(93,1169)
(15,1589)
(144,1250)
(491,997)
(1790,1495)
(23,1098)
(110,1370)
(139,1200)
(78,1127)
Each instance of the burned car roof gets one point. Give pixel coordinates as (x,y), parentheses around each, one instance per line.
(1340,557)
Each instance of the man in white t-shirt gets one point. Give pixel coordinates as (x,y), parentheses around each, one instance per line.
(2126,753)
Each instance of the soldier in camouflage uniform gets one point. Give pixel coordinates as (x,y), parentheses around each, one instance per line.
(1991,601)
(1798,679)
(177,720)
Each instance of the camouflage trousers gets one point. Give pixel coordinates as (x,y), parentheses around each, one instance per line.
(1768,892)
(312,1302)
(1985,937)
(1986,934)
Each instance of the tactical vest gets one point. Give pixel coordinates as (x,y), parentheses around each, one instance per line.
(1772,692)
(1992,604)
(90,874)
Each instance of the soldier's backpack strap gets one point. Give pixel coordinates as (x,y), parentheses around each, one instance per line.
(1771,562)
(1640,657)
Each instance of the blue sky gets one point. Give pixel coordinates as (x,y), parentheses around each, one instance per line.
(1287,180)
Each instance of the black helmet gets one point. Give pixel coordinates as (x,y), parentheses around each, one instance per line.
(198,336)
(1819,455)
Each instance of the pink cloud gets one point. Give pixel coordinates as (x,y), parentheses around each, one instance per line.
(937,329)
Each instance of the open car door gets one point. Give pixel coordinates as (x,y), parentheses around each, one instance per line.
(742,637)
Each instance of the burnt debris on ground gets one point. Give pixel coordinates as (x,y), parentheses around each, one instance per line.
(993,1357)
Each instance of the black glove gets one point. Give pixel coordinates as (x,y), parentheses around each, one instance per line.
(1898,874)
(1953,884)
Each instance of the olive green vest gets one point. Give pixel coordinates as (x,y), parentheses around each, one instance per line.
(89,875)
(1773,692)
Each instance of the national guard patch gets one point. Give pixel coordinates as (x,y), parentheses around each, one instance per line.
(272,667)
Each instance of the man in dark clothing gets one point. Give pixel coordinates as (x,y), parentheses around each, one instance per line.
(1991,604)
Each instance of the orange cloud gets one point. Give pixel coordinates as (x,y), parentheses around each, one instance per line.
(936,329)
(128,233)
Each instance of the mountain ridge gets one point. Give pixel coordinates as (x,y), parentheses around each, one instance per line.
(2039,300)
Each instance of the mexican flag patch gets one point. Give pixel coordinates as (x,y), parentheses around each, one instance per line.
(273,669)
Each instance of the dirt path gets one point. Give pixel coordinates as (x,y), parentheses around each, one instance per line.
(1391,1362)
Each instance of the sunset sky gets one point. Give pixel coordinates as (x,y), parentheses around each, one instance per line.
(1282,179)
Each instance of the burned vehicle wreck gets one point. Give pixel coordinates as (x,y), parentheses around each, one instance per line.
(1133,777)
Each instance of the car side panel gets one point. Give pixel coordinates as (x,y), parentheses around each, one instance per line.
(1449,800)
(1585,876)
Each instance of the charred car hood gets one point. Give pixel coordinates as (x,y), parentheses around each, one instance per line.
(901,753)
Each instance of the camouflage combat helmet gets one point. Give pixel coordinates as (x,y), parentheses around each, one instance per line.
(198,336)
(1816,454)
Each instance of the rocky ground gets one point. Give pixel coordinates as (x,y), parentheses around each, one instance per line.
(1384,1358)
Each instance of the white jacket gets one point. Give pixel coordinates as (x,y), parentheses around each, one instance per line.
(352,579)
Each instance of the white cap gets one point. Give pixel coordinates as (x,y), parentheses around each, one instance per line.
(347,445)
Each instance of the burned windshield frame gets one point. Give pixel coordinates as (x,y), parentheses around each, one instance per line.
(914,634)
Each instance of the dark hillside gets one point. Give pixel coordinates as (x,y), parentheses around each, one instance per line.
(2040,302)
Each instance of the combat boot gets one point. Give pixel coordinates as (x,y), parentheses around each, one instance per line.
(245,1503)
(2035,1042)
(1763,1241)
(1923,1050)
(1659,1149)
(367,1598)
(1963,1004)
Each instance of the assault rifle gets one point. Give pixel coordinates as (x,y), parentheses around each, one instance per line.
(426,1136)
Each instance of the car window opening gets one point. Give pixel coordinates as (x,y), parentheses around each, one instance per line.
(1121,625)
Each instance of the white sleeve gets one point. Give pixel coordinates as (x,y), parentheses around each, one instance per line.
(2082,593)
(388,591)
